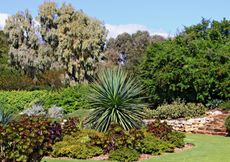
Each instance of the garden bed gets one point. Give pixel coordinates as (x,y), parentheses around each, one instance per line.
(141,158)
(207,148)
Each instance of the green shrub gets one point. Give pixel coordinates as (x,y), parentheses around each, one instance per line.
(124,155)
(12,79)
(178,109)
(176,138)
(70,126)
(79,151)
(115,142)
(116,137)
(225,105)
(28,139)
(159,129)
(227,124)
(194,110)
(52,79)
(153,145)
(212,104)
(81,144)
(193,66)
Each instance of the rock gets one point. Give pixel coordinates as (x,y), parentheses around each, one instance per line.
(212,124)
(214,112)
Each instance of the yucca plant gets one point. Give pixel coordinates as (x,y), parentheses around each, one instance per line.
(115,98)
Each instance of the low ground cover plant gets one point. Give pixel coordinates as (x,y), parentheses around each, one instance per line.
(81,145)
(71,98)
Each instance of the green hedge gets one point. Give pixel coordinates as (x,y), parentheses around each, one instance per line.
(71,98)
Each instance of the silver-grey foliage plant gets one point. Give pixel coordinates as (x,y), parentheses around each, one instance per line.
(5,115)
(55,112)
(36,109)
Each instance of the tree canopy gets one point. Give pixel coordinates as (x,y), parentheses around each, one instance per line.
(193,66)
(64,39)
(129,49)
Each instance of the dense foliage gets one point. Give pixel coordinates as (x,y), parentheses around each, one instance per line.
(153,145)
(70,99)
(225,105)
(159,129)
(28,139)
(18,100)
(120,144)
(176,138)
(81,145)
(14,79)
(124,155)
(66,39)
(116,138)
(178,109)
(128,50)
(116,99)
(193,66)
(4,47)
(227,124)
(10,78)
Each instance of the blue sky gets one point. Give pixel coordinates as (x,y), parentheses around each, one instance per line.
(156,16)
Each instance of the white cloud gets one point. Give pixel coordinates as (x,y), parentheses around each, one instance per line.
(3,17)
(115,30)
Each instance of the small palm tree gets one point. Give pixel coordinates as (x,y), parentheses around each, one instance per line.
(115,98)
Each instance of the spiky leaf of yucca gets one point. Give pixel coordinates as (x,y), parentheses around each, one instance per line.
(115,98)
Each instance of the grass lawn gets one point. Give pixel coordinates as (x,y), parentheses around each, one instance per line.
(73,161)
(207,149)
